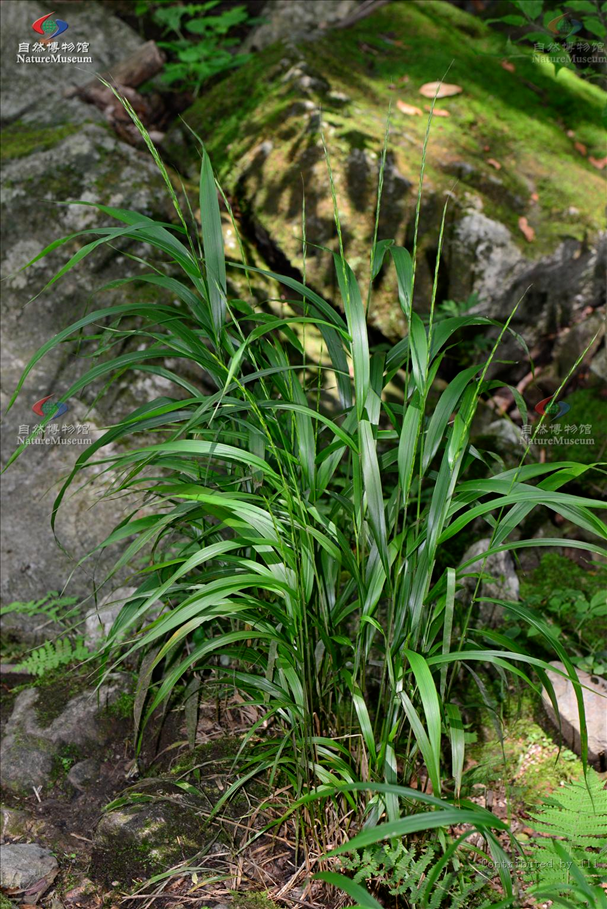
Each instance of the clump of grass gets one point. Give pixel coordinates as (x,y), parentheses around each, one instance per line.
(299,543)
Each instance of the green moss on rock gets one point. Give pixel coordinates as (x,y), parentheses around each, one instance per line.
(262,129)
(152,827)
(556,572)
(22,139)
(529,766)
(56,689)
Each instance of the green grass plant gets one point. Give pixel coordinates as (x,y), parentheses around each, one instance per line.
(297,542)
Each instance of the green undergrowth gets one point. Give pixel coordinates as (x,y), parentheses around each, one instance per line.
(562,591)
(577,814)
(555,571)
(522,761)
(122,708)
(64,760)
(520,119)
(252,901)
(588,407)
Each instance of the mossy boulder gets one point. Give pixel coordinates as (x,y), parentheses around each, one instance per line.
(152,827)
(504,150)
(54,726)
(57,149)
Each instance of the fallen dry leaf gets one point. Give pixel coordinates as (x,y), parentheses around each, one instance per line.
(494,163)
(599,163)
(439,111)
(534,197)
(486,148)
(579,146)
(409,109)
(506,64)
(570,133)
(440,90)
(404,78)
(526,229)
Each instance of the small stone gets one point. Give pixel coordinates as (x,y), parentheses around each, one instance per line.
(595,707)
(99,621)
(24,866)
(84,773)
(16,823)
(501,584)
(338,99)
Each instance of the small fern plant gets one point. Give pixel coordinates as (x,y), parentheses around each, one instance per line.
(404,873)
(54,654)
(52,605)
(577,816)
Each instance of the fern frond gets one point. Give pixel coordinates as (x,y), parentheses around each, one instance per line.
(53,654)
(404,874)
(576,815)
(51,604)
(577,812)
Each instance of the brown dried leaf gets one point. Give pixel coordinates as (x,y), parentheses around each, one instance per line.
(440,90)
(439,111)
(534,197)
(507,65)
(579,146)
(494,163)
(409,109)
(526,229)
(599,163)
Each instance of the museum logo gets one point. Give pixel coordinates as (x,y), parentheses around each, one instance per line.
(551,408)
(564,26)
(50,28)
(44,407)
(47,49)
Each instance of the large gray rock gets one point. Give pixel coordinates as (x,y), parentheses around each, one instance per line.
(557,290)
(90,164)
(595,707)
(486,255)
(33,93)
(500,580)
(39,730)
(297,20)
(26,866)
